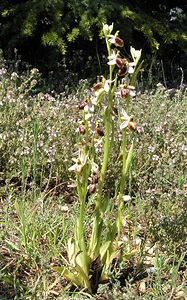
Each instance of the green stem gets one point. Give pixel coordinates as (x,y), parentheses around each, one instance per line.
(80,232)
(98,220)
(127,106)
(106,151)
(124,150)
(107,132)
(81,215)
(87,137)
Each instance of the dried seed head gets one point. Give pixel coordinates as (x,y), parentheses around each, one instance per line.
(92,188)
(95,178)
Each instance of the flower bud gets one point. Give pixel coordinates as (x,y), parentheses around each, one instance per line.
(107,29)
(33,83)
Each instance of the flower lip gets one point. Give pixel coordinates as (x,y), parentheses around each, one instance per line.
(120,62)
(117,41)
(82,105)
(98,86)
(132,125)
(125,92)
(128,121)
(99,130)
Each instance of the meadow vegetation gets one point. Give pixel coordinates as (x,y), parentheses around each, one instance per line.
(39,202)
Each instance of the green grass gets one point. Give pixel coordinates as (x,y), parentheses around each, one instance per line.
(38,204)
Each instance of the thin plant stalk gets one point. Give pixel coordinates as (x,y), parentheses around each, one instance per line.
(98,221)
(91,259)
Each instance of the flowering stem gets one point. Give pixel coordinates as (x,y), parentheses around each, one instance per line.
(98,221)
(123,177)
(106,150)
(82,183)
(87,137)
(124,150)
(80,232)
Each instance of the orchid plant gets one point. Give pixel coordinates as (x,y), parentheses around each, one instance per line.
(89,258)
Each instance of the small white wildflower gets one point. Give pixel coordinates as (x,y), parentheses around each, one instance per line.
(151,149)
(34,71)
(126,198)
(14,76)
(155,157)
(137,241)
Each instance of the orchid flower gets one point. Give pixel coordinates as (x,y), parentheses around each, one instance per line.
(128,122)
(80,161)
(114,39)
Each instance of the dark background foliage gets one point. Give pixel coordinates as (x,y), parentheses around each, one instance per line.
(61,37)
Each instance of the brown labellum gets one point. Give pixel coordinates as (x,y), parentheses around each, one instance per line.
(95,178)
(100,131)
(98,86)
(82,129)
(92,188)
(115,110)
(82,105)
(125,93)
(120,62)
(119,42)
(132,125)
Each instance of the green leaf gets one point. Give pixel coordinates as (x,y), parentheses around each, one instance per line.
(100,96)
(72,277)
(82,276)
(104,249)
(14,246)
(136,71)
